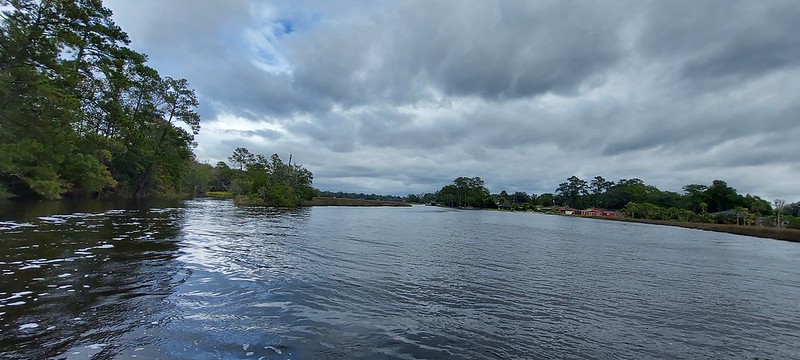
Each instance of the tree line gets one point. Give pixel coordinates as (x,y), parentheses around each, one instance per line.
(361,196)
(716,197)
(81,114)
(715,202)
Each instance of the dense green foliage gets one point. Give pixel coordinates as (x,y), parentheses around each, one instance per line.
(81,113)
(519,200)
(697,198)
(465,192)
(717,202)
(654,212)
(425,198)
(259,180)
(714,203)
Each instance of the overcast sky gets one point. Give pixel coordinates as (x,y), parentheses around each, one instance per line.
(399,97)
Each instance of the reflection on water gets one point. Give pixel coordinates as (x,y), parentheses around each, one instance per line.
(74,281)
(205,279)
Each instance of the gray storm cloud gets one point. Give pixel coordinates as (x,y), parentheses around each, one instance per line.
(399,97)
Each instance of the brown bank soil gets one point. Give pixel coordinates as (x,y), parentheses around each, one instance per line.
(792,235)
(325,201)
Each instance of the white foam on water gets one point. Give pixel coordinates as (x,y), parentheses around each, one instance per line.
(49,261)
(16,303)
(52,219)
(249,353)
(64,275)
(104,246)
(17,295)
(245,347)
(277,351)
(28,326)
(10,225)
(96,346)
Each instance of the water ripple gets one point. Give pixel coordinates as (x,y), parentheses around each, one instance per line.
(207,280)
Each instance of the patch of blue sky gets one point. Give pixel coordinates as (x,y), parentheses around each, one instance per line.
(286,27)
(263,46)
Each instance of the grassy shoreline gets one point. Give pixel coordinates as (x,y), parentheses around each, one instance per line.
(792,235)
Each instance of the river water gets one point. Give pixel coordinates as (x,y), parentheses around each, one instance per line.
(204,279)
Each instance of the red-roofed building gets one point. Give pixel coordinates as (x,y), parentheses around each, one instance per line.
(593,211)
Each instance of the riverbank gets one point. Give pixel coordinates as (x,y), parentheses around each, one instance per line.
(792,235)
(220,194)
(324,201)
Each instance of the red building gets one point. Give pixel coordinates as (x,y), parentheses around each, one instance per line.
(592,211)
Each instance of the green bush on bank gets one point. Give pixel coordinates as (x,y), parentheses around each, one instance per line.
(263,181)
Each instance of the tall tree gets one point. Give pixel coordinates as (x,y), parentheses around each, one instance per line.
(721,197)
(598,187)
(695,195)
(572,191)
(466,192)
(242,157)
(79,111)
(631,190)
